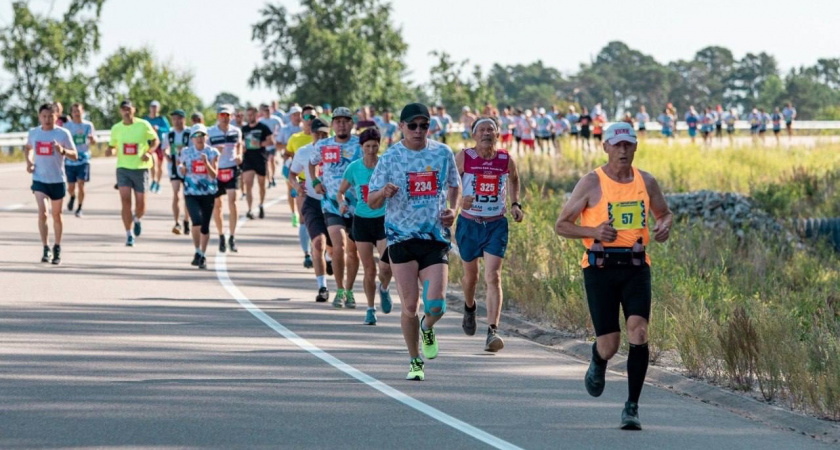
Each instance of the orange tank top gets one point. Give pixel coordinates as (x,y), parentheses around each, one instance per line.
(627,204)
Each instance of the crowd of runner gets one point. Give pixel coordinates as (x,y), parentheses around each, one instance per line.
(370,190)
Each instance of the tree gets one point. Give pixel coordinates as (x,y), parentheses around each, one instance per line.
(134,74)
(526,85)
(43,55)
(748,78)
(226,98)
(344,52)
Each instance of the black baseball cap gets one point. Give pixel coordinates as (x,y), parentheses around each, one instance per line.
(318,125)
(412,111)
(178,112)
(126,104)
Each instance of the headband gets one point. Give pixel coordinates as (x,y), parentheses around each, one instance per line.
(479,122)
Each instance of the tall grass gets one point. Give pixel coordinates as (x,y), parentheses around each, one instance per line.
(754,312)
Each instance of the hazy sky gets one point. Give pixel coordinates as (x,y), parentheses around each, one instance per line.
(213,37)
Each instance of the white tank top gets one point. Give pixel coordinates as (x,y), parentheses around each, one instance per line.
(487,181)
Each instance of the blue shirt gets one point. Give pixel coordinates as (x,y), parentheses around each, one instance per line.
(160,124)
(334,158)
(358,175)
(81,133)
(423,178)
(197,180)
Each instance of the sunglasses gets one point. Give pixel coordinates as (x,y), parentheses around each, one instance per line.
(309,116)
(413,126)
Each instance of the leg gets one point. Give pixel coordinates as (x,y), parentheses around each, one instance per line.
(232,211)
(42,200)
(125,199)
(208,206)
(369,265)
(469,282)
(436,276)
(158,167)
(493,279)
(176,194)
(406,277)
(639,357)
(319,244)
(81,195)
(139,204)
(384,268)
(338,236)
(217,215)
(261,181)
(58,222)
(248,186)
(351,263)
(290,199)
(71,189)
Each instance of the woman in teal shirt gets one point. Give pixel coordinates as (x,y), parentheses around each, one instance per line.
(368,224)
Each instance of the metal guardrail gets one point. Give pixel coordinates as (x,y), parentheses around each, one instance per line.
(819,229)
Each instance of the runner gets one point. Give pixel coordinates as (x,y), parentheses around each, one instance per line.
(176,140)
(527,125)
(78,170)
(730,119)
(467,119)
(755,122)
(445,123)
(257,137)
(708,119)
(719,123)
(544,130)
(313,215)
(161,126)
(274,124)
(198,165)
(435,125)
(776,117)
(585,121)
(642,118)
(561,127)
(47,149)
(326,115)
(599,121)
(507,126)
(414,180)
(790,114)
(335,154)
(196,118)
(61,119)
(227,140)
(613,203)
(292,127)
(574,118)
(368,225)
(488,177)
(295,142)
(132,140)
(390,128)
(238,118)
(666,120)
(691,121)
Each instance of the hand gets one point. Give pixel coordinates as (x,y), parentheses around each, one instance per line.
(220,148)
(467,201)
(517,213)
(447,217)
(344,209)
(605,232)
(391,190)
(58,146)
(30,167)
(662,231)
(109,152)
(320,189)
(204,158)
(145,157)
(301,190)
(238,159)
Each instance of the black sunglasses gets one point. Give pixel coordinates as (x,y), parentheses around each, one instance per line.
(413,126)
(309,116)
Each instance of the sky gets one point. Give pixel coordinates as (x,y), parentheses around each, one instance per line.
(212,38)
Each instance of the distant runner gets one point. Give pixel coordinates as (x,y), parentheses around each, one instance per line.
(78,171)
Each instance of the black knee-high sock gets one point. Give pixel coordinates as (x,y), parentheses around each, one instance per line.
(637,365)
(597,356)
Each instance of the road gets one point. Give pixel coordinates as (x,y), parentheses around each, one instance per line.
(133,347)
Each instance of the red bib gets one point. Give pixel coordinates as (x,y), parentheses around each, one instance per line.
(422,184)
(225,175)
(44,148)
(199,168)
(331,154)
(129,149)
(487,184)
(365,190)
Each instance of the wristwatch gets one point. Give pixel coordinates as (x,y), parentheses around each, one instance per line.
(516,204)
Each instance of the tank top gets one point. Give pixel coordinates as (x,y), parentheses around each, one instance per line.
(628,204)
(487,181)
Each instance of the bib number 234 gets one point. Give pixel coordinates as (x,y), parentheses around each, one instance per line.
(422,184)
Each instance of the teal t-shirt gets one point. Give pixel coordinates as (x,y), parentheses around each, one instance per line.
(359,176)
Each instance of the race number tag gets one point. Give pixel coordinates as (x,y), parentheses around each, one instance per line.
(628,215)
(199,168)
(331,154)
(487,185)
(129,149)
(225,175)
(422,184)
(44,148)
(365,191)
(79,139)
(319,171)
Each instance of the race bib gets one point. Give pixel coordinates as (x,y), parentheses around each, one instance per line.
(225,175)
(199,167)
(330,154)
(79,139)
(44,148)
(365,190)
(627,215)
(487,185)
(129,149)
(422,184)
(319,171)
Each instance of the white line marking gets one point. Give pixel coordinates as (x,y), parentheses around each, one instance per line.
(434,413)
(14,207)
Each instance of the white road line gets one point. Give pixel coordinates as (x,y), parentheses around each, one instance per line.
(14,207)
(434,413)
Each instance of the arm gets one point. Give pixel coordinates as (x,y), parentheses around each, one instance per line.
(28,155)
(659,207)
(67,152)
(91,137)
(212,166)
(345,185)
(566,225)
(513,191)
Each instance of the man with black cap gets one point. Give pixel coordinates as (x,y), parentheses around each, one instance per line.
(227,140)
(257,136)
(612,204)
(417,181)
(174,141)
(313,215)
(132,140)
(334,154)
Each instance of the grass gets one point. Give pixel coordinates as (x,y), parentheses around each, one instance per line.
(756,313)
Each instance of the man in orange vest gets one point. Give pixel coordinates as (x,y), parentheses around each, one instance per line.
(613,203)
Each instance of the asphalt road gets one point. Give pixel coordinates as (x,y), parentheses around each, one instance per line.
(133,347)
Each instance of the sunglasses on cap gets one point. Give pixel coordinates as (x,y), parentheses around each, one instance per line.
(309,116)
(413,126)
